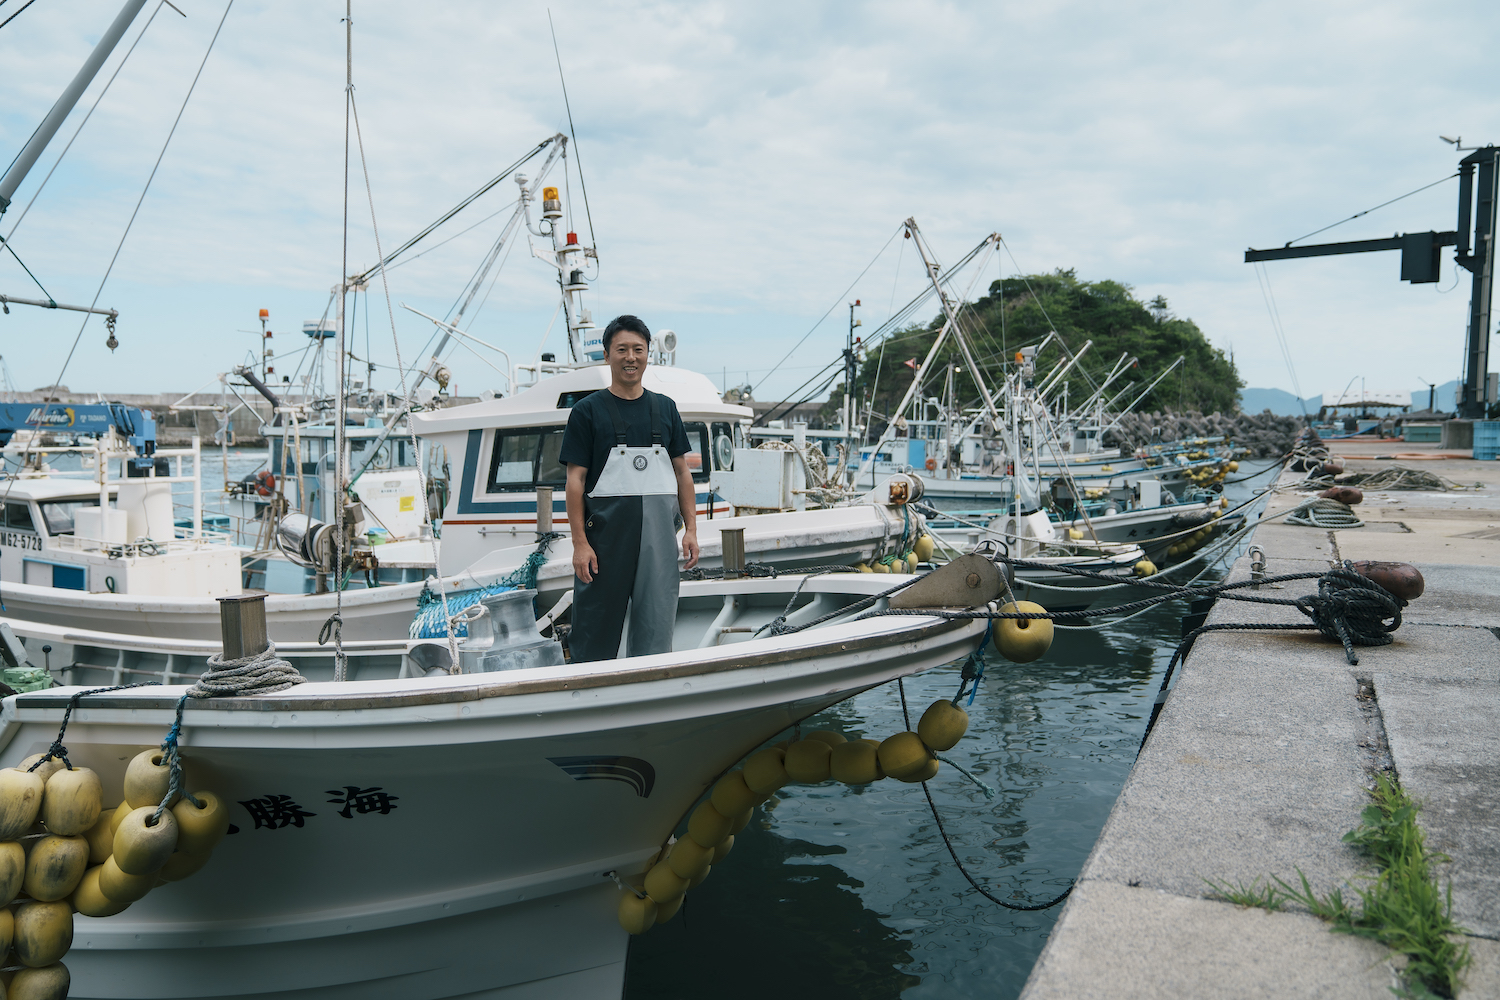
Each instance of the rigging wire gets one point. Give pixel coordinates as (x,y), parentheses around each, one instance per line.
(17,13)
(1367,211)
(416,256)
(121,245)
(1263,277)
(593,241)
(94,107)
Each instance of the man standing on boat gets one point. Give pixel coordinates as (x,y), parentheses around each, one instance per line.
(628,488)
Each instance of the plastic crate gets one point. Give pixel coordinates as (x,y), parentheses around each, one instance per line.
(1487,440)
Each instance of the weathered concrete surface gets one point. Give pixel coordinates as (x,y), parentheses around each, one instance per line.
(1257,767)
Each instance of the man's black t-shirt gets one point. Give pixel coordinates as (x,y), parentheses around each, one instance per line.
(591,430)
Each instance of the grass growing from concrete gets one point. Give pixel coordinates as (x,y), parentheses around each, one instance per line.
(1402,907)
(1266,897)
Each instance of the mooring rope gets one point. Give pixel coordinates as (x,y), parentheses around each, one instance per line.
(1323,512)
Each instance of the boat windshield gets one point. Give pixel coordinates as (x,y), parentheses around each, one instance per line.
(58,514)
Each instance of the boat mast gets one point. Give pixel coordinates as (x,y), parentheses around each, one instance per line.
(60,110)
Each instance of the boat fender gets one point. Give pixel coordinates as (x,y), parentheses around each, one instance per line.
(708,826)
(182,864)
(121,811)
(927,772)
(48,768)
(923,548)
(943,725)
(90,900)
(1145,568)
(72,801)
(663,884)
(200,827)
(828,736)
(101,838)
(7,931)
(765,770)
(723,850)
(738,823)
(903,754)
(854,763)
(1344,494)
(148,778)
(120,887)
(44,932)
(1402,580)
(20,801)
(731,796)
(1021,640)
(48,983)
(807,761)
(12,872)
(637,914)
(55,866)
(689,858)
(141,849)
(666,911)
(697,880)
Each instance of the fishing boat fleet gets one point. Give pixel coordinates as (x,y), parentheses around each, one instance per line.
(407,560)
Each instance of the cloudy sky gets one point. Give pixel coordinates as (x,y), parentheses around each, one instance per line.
(745,162)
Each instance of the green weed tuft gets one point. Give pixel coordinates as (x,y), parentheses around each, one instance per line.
(1266,897)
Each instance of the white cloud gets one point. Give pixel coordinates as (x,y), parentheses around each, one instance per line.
(745,161)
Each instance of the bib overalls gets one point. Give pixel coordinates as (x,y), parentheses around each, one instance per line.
(630,520)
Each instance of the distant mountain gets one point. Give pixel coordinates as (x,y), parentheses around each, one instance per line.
(1284,404)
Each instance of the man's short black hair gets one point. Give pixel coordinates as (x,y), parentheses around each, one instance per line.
(629,323)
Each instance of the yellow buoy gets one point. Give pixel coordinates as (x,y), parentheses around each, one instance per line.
(1021,640)
(54,867)
(663,884)
(738,823)
(689,857)
(101,838)
(20,801)
(854,763)
(12,871)
(911,562)
(1145,568)
(1232,467)
(696,882)
(201,827)
(120,887)
(90,900)
(708,826)
(903,754)
(7,930)
(48,983)
(72,802)
(666,911)
(636,914)
(731,796)
(926,773)
(863,567)
(723,850)
(140,848)
(147,779)
(828,736)
(1075,534)
(121,811)
(923,548)
(880,567)
(765,770)
(182,864)
(48,768)
(943,725)
(807,761)
(44,932)
(1223,503)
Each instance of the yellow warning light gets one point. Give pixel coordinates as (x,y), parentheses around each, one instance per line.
(549,194)
(1020,358)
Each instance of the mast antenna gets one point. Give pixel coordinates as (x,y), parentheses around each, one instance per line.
(593,240)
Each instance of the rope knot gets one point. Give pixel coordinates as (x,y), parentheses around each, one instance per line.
(332,628)
(1352,609)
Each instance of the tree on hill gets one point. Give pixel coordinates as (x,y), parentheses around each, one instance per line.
(1021,311)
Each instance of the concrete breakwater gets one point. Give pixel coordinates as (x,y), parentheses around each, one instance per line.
(1260,763)
(1265,434)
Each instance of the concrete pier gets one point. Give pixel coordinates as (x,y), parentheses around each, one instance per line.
(1259,762)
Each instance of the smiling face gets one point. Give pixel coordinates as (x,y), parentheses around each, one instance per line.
(627,362)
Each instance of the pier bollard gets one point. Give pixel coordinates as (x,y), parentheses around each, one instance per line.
(732,541)
(543,509)
(242,623)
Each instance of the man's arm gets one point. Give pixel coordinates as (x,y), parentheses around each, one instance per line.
(687,502)
(585,563)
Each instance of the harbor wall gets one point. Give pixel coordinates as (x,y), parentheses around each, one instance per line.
(1265,434)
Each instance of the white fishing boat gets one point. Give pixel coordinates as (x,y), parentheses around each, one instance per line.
(455,835)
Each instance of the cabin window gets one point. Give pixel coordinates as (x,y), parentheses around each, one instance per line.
(57,515)
(697,435)
(526,458)
(18,517)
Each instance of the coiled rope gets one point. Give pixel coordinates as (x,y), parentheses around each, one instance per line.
(1323,512)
